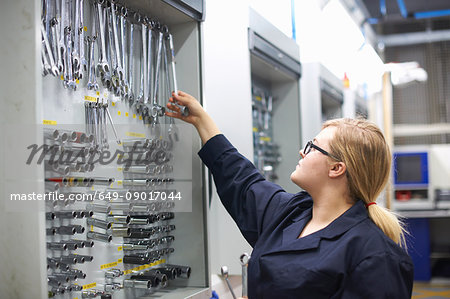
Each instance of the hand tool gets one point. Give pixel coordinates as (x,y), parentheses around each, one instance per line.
(244,259)
(53,68)
(102,65)
(184,109)
(224,271)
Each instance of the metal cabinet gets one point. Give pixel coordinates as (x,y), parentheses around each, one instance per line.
(41,232)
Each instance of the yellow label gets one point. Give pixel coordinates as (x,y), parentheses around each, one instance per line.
(142,267)
(258,98)
(120,169)
(90,99)
(119,113)
(134,115)
(77,81)
(265,139)
(119,183)
(119,261)
(98,93)
(133,134)
(126,114)
(140,117)
(120,249)
(110,265)
(113,104)
(62,78)
(89,286)
(49,122)
(85,28)
(92,228)
(255,129)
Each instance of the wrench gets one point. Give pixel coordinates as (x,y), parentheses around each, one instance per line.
(244,259)
(55,33)
(102,65)
(144,85)
(131,64)
(123,43)
(157,110)
(110,45)
(83,59)
(76,36)
(119,69)
(92,82)
(184,109)
(45,65)
(69,81)
(53,68)
(151,25)
(224,271)
(173,129)
(112,124)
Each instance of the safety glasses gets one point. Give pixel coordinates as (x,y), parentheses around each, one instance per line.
(310,145)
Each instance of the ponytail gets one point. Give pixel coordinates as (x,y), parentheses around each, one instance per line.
(360,144)
(389,223)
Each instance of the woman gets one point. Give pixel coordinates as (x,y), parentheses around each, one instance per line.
(329,241)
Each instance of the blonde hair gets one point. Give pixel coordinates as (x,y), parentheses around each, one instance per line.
(361,146)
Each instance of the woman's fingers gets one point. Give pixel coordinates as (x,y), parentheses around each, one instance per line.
(182,97)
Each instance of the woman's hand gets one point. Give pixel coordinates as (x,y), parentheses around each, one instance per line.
(196,111)
(198,117)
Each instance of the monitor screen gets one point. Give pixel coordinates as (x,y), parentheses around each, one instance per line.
(411,168)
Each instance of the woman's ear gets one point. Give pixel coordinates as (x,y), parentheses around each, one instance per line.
(337,169)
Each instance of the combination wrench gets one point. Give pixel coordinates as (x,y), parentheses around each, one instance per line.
(102,65)
(53,68)
(184,109)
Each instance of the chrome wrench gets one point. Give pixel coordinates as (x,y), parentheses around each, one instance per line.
(131,64)
(157,110)
(144,86)
(184,109)
(102,65)
(53,68)
(83,59)
(119,69)
(76,39)
(55,32)
(244,259)
(92,82)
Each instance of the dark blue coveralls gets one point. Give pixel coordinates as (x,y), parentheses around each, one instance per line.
(350,258)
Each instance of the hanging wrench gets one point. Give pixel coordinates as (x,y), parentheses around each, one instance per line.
(123,43)
(102,64)
(76,37)
(144,85)
(131,64)
(151,25)
(112,125)
(60,16)
(184,109)
(173,129)
(70,82)
(82,46)
(55,33)
(110,46)
(157,110)
(92,82)
(45,65)
(53,68)
(244,259)
(118,70)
